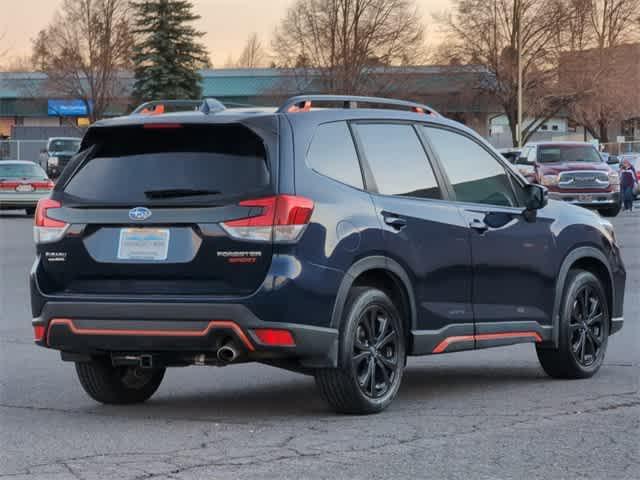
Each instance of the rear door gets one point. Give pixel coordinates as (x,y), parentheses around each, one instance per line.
(424,233)
(159,209)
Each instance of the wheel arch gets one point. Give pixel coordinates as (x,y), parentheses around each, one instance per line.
(589,259)
(386,274)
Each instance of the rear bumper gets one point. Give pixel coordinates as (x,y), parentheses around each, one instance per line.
(106,327)
(597,199)
(21,200)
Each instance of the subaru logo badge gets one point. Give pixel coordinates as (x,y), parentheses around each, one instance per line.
(139,213)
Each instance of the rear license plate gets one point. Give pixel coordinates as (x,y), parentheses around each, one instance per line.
(143,244)
(585,198)
(24,188)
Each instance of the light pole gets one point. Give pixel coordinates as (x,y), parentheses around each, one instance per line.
(517,19)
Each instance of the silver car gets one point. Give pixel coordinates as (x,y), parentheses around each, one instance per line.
(22,184)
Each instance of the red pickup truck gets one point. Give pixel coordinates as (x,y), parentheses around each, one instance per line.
(573,172)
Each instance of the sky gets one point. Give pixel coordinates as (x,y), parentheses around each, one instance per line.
(226,23)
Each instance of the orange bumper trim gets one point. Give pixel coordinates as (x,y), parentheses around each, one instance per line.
(444,344)
(154,333)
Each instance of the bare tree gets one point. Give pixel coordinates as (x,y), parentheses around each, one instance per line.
(600,66)
(343,42)
(3,52)
(486,33)
(253,54)
(40,51)
(83,50)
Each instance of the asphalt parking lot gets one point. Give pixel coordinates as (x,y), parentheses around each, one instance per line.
(489,414)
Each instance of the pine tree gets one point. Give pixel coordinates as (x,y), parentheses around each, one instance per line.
(166,53)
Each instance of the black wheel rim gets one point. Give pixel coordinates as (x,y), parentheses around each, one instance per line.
(586,326)
(375,352)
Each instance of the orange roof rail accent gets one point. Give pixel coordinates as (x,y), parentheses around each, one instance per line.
(155,110)
(306,107)
(302,103)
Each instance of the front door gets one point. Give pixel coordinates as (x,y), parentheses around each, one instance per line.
(513,273)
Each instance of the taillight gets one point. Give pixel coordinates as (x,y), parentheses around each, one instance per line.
(47,230)
(275,337)
(38,332)
(44,185)
(282,218)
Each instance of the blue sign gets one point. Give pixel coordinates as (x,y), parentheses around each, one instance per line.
(67,108)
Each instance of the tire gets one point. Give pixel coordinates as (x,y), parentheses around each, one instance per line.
(371,340)
(564,361)
(30,211)
(610,212)
(118,385)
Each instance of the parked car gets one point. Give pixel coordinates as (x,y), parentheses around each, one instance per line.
(328,237)
(58,153)
(612,160)
(22,184)
(574,172)
(513,155)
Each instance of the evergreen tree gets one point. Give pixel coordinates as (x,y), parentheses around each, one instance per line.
(166,53)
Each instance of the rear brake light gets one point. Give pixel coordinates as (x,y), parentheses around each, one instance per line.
(162,126)
(46,229)
(45,185)
(282,218)
(275,337)
(38,332)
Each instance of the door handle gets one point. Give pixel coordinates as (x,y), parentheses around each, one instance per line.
(478,225)
(394,221)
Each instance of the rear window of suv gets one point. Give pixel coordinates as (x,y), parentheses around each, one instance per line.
(568,153)
(135,165)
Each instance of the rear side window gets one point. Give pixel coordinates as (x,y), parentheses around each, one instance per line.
(129,162)
(333,154)
(398,160)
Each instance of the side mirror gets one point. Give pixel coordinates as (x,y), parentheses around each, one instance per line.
(536,197)
(613,160)
(523,161)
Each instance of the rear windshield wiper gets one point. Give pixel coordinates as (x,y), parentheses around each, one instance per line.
(179,192)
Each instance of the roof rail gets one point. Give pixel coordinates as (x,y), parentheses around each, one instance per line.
(211,105)
(302,103)
(158,107)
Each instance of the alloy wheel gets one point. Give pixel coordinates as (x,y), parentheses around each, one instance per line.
(586,326)
(375,352)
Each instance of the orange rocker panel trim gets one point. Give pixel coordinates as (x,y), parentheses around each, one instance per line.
(154,333)
(444,344)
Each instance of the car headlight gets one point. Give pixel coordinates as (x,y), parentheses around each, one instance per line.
(550,180)
(53,161)
(614,181)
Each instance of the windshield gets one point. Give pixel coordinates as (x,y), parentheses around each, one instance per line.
(16,171)
(64,145)
(568,153)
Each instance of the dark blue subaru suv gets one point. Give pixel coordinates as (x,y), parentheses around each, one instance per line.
(333,236)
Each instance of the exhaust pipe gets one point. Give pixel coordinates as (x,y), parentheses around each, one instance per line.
(228,353)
